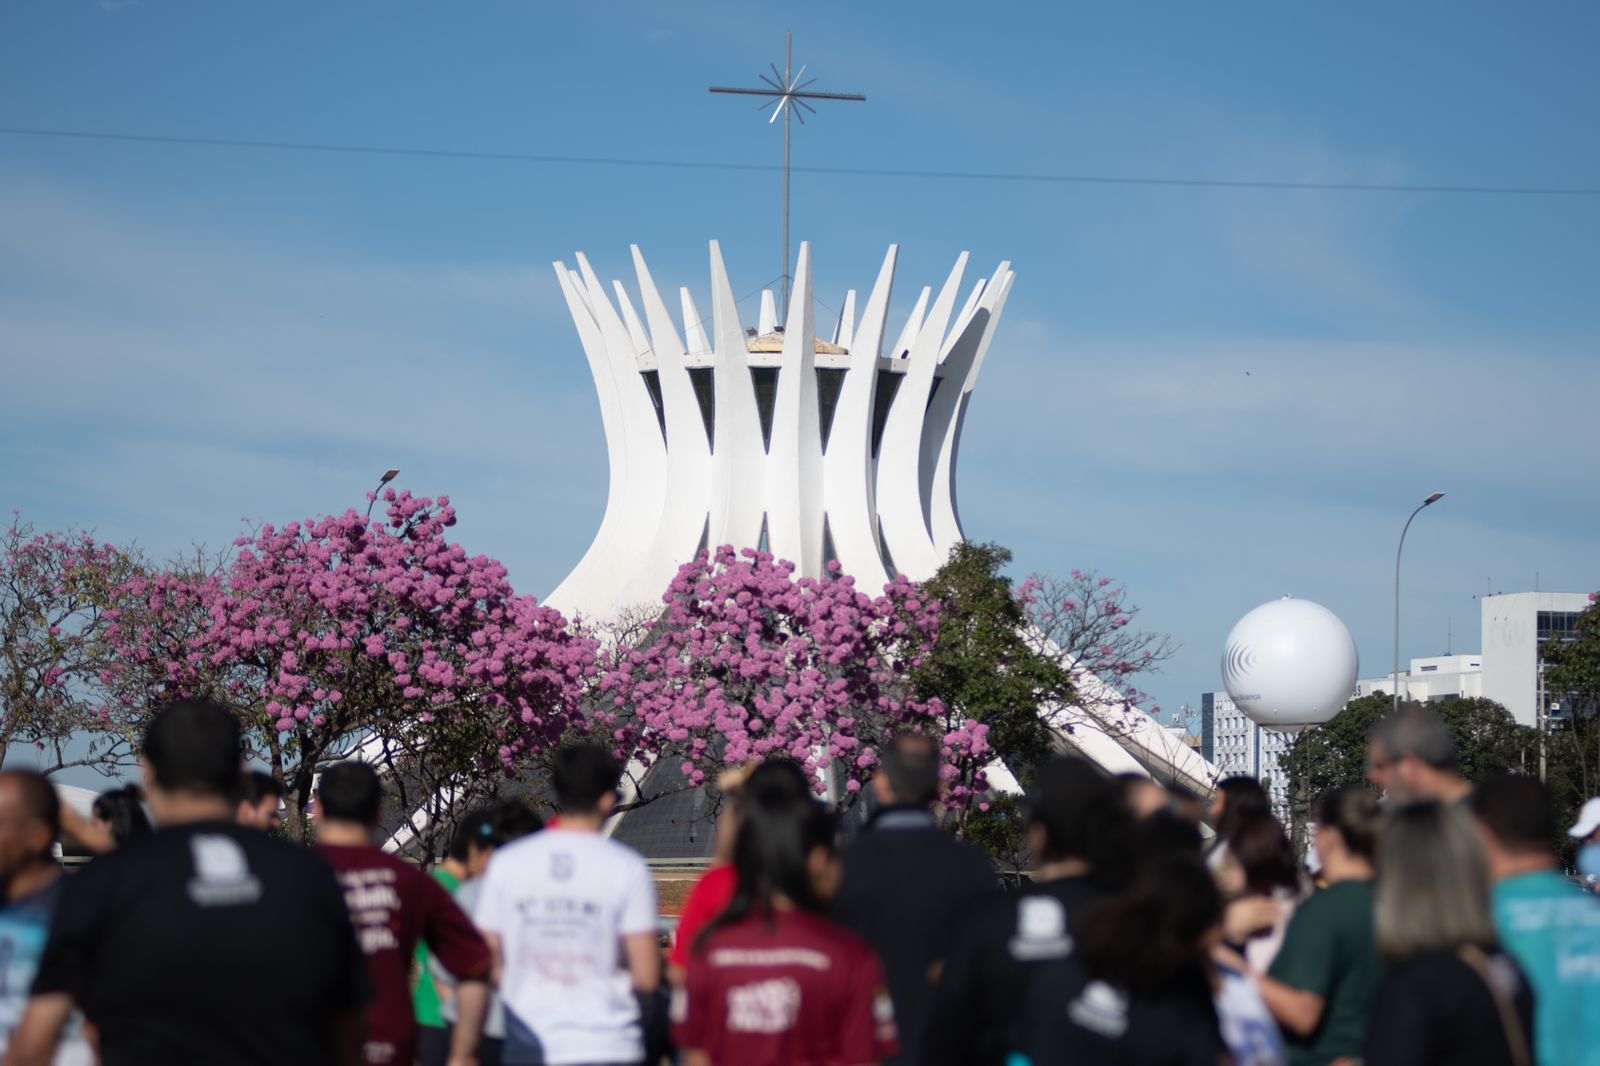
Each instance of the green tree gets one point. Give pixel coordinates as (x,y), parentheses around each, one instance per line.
(1572,677)
(983,665)
(1488,741)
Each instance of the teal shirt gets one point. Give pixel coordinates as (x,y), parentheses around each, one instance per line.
(1552,928)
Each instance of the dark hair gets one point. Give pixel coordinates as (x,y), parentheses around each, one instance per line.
(195,746)
(39,800)
(911,763)
(778,774)
(1517,809)
(477,825)
(257,785)
(1245,798)
(350,791)
(583,773)
(1416,732)
(1264,853)
(1163,834)
(123,810)
(514,819)
(1078,808)
(776,836)
(1354,812)
(1141,939)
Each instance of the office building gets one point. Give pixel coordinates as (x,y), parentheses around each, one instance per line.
(1517,627)
(1233,744)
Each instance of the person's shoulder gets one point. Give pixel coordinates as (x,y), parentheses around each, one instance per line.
(838,940)
(619,854)
(1336,897)
(345,857)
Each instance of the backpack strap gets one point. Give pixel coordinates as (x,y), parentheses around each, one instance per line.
(1510,1023)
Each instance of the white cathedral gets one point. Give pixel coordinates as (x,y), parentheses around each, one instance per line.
(815,449)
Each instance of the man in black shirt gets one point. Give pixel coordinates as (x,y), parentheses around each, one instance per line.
(906,881)
(1000,947)
(204,942)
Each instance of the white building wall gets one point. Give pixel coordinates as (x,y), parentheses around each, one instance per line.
(1511,647)
(1431,678)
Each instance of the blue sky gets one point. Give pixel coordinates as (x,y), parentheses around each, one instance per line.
(191,338)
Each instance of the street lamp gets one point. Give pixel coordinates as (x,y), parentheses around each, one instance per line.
(1432,498)
(388,476)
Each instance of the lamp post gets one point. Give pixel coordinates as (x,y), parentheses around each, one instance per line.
(1432,498)
(388,476)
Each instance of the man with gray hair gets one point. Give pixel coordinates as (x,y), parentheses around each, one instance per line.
(1411,756)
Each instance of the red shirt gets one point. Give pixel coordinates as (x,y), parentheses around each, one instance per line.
(792,989)
(394,905)
(709,898)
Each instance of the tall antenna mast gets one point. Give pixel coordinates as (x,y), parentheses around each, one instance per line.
(785,93)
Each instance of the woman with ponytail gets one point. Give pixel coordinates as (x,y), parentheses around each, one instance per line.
(771,980)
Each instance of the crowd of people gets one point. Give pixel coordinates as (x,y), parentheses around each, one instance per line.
(1431,924)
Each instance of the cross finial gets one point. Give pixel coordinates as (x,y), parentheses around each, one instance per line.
(786,94)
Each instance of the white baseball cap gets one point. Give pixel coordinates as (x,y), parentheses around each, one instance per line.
(1588,819)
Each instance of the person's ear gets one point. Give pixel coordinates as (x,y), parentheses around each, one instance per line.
(147,774)
(881,789)
(607,804)
(1036,840)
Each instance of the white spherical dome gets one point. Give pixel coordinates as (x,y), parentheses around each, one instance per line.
(1289,664)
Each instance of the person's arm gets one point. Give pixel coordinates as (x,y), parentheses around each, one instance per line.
(641,929)
(472,1004)
(94,837)
(464,953)
(1295,1009)
(1305,970)
(644,961)
(33,1041)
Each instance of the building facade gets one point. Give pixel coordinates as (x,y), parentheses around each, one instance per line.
(1517,627)
(1436,677)
(1235,745)
(819,449)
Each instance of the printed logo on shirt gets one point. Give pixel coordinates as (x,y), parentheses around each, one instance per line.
(1100,1009)
(764,1007)
(1041,929)
(222,876)
(373,901)
(815,960)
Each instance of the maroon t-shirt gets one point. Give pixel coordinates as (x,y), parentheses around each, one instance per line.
(791,988)
(394,905)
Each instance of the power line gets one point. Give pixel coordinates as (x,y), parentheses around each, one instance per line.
(864,172)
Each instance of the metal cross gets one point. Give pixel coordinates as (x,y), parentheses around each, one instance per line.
(786,93)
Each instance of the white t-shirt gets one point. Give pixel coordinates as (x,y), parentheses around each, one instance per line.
(560,902)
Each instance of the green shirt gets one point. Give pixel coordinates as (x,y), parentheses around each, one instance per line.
(425,997)
(1552,928)
(1328,949)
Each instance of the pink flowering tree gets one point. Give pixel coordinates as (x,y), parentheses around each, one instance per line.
(1087,622)
(55,592)
(746,661)
(338,636)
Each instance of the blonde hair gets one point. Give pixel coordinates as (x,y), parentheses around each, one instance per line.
(1433,882)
